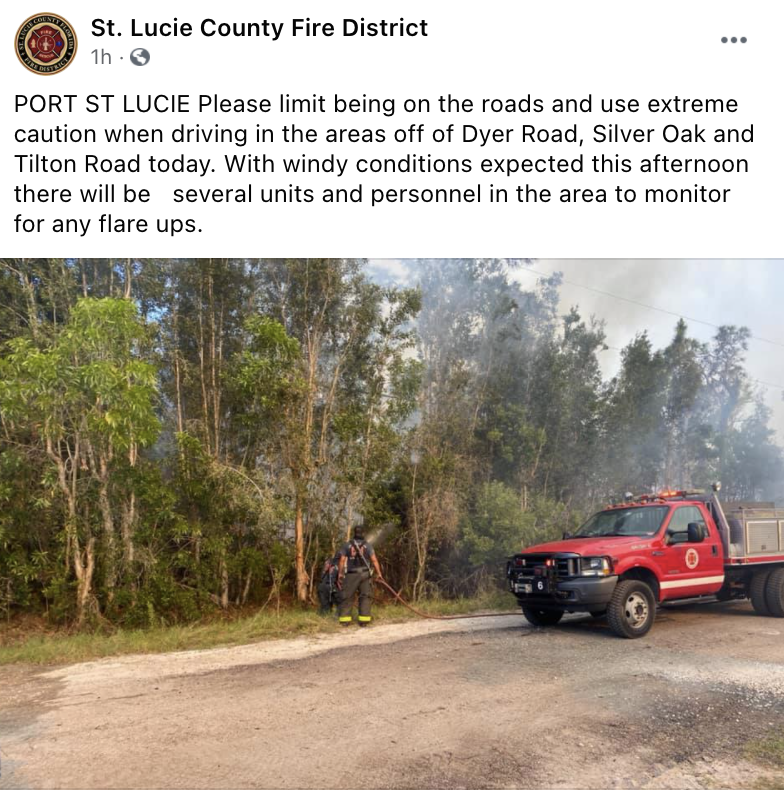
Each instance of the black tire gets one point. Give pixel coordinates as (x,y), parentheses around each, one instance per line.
(598,614)
(541,617)
(758,592)
(632,609)
(774,593)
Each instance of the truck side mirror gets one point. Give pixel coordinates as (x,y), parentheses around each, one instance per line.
(566,535)
(696,532)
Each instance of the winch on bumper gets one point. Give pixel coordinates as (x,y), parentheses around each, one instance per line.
(561,580)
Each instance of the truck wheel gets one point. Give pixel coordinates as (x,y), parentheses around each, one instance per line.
(758,592)
(632,609)
(774,593)
(540,617)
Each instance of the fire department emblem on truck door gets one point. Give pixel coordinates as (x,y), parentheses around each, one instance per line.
(45,44)
(692,558)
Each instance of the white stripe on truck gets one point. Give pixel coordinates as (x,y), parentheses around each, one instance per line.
(695,581)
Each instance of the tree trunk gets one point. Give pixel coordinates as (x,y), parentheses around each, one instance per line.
(177,373)
(313,578)
(299,544)
(32,310)
(84,277)
(224,578)
(246,588)
(422,542)
(84,566)
(349,517)
(129,518)
(216,360)
(128,523)
(83,563)
(108,532)
(203,372)
(100,470)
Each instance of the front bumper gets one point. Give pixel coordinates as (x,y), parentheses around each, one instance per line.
(573,594)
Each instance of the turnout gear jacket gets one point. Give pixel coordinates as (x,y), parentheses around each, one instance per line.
(358,553)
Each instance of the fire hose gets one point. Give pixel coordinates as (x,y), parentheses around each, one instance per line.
(418,612)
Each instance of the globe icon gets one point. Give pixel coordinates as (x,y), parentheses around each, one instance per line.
(140,57)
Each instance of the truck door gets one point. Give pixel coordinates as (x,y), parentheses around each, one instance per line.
(690,568)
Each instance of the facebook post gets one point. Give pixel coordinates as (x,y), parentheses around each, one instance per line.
(391,396)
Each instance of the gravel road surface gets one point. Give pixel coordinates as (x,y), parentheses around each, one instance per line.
(486,703)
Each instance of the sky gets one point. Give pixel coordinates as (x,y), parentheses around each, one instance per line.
(738,292)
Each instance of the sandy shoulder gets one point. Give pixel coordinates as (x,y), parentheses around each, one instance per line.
(159,666)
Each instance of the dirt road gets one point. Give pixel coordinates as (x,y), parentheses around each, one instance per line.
(480,703)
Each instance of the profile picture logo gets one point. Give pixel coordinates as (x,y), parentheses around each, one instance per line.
(45,44)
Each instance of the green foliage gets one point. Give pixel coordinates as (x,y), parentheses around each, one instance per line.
(88,378)
(498,526)
(266,371)
(85,399)
(181,437)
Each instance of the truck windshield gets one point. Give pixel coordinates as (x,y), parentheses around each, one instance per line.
(636,521)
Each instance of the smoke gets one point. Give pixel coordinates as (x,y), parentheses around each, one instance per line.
(717,292)
(721,292)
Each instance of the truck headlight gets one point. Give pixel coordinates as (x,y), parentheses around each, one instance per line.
(595,567)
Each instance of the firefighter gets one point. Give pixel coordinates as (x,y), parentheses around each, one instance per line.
(328,588)
(358,561)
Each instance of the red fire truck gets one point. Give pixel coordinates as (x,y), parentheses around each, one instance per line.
(632,556)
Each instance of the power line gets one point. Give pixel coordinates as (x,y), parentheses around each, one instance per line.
(660,310)
(753,379)
(645,305)
(769,384)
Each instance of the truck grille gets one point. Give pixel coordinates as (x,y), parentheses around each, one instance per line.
(526,566)
(566,567)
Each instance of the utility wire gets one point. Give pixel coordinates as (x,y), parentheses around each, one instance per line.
(645,305)
(660,310)
(753,379)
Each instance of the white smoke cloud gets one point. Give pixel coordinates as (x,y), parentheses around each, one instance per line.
(739,292)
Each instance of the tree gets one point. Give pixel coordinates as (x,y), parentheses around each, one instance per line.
(351,336)
(497,526)
(633,426)
(683,381)
(179,435)
(566,405)
(89,399)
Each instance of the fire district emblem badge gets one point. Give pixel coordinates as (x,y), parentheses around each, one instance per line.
(45,44)
(692,558)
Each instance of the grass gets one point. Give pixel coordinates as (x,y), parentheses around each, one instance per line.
(769,750)
(41,647)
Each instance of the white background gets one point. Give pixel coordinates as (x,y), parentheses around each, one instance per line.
(495,49)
